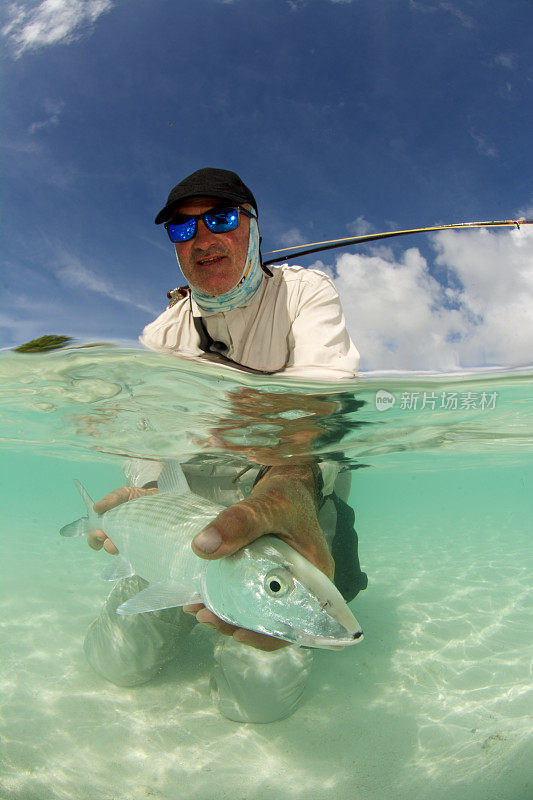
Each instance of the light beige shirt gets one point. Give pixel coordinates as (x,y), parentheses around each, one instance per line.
(293,326)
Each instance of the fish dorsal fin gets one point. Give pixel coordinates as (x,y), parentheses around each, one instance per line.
(172,479)
(160,595)
(119,568)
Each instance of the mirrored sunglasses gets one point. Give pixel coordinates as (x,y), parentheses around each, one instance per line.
(219,220)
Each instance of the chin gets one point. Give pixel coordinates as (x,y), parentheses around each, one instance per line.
(214,291)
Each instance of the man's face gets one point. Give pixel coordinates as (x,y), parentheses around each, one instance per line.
(212,262)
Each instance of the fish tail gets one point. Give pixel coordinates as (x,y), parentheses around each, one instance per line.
(82,526)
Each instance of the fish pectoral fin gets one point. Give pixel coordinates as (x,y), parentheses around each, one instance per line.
(160,595)
(80,527)
(119,568)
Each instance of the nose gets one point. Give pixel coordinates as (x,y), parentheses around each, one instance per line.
(203,237)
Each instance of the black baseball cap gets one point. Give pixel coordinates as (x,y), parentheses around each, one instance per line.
(210,182)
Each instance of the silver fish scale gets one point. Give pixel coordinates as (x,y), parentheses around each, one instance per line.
(154,534)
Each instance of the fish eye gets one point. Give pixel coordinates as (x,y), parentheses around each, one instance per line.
(278,583)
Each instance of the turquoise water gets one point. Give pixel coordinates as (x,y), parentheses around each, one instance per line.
(435,702)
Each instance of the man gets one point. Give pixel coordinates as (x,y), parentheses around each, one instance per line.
(287,321)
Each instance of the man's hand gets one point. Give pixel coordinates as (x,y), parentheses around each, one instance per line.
(283,503)
(97,538)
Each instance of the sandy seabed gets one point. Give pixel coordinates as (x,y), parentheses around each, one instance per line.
(435,702)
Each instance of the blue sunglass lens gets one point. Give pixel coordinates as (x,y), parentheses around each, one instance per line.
(217,222)
(222,221)
(182,231)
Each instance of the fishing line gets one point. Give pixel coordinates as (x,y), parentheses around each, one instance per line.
(318,247)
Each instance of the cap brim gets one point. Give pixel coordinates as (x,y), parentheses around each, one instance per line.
(166,212)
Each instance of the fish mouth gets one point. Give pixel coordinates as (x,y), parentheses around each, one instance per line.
(324,643)
(333,641)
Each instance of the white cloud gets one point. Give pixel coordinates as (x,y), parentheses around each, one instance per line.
(71,271)
(483,146)
(425,7)
(506,60)
(19,146)
(463,18)
(32,26)
(360,227)
(294,5)
(291,238)
(53,110)
(401,317)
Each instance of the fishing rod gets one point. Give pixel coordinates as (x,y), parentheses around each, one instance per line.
(318,247)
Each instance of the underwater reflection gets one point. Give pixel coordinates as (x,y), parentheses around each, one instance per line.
(268,428)
(436,701)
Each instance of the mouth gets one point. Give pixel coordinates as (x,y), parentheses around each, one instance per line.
(208,261)
(328,640)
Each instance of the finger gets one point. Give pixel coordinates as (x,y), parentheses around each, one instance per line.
(121,495)
(259,640)
(110,547)
(193,609)
(241,524)
(112,500)
(96,539)
(235,527)
(207,617)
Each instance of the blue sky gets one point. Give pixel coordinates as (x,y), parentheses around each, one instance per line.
(342,115)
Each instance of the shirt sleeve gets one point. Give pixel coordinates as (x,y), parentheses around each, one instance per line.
(319,344)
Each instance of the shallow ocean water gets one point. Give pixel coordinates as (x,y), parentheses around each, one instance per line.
(435,702)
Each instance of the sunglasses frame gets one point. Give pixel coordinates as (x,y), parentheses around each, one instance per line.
(196,217)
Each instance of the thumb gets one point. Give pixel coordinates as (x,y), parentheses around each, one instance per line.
(235,527)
